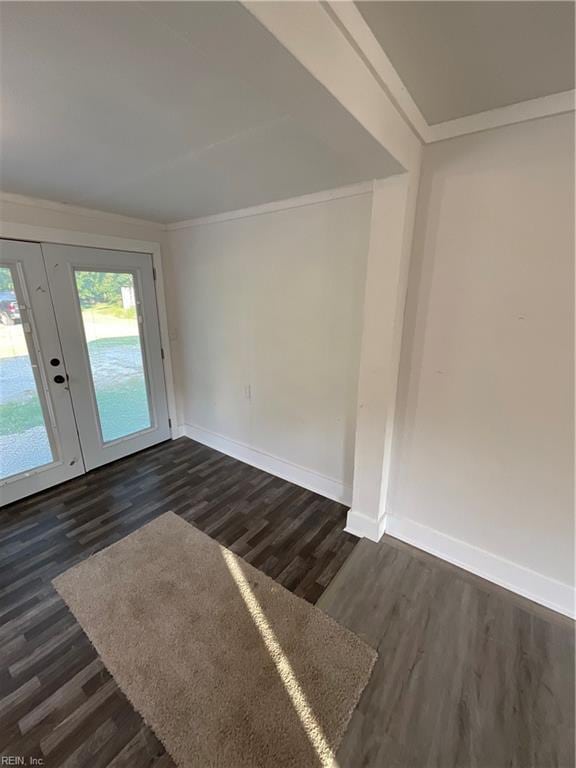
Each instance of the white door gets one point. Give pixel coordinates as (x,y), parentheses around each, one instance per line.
(105,306)
(38,440)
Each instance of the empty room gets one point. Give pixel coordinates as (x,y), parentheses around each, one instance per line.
(287,384)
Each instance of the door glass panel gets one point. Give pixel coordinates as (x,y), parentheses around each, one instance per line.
(111,327)
(24,441)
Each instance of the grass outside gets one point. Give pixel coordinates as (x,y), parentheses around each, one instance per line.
(119,382)
(105,311)
(113,338)
(101,321)
(104,324)
(21,415)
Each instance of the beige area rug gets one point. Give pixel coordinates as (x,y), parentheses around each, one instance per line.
(227,667)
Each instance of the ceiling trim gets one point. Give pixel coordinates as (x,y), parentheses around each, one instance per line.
(351,190)
(555,104)
(313,198)
(89,213)
(360,36)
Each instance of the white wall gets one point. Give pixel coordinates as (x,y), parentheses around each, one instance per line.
(482,470)
(273,302)
(484,454)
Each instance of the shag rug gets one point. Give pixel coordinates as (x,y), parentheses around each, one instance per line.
(227,667)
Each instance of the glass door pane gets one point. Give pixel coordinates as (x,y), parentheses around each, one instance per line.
(111,321)
(105,306)
(24,440)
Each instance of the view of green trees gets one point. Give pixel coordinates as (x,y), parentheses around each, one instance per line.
(93,287)
(101,287)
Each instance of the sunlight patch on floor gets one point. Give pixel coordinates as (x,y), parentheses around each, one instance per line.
(283,666)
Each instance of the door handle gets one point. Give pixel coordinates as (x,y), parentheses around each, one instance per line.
(59,379)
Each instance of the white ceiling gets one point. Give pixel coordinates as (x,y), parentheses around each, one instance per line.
(166,111)
(460,58)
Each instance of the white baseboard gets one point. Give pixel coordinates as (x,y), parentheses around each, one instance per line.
(523,581)
(294,473)
(541,589)
(364,527)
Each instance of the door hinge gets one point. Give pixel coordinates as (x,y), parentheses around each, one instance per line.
(154,272)
(162,353)
(170,423)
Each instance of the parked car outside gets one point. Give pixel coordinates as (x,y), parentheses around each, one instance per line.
(9,309)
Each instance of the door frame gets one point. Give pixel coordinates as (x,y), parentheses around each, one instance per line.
(36,234)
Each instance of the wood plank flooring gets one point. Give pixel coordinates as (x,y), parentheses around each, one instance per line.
(468,675)
(57,701)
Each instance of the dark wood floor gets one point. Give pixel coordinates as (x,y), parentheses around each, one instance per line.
(468,675)
(57,701)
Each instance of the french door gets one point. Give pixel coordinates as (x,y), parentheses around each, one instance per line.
(39,445)
(81,368)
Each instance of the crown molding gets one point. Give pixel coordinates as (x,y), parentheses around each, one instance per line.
(89,213)
(555,104)
(353,26)
(314,198)
(352,190)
